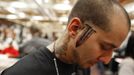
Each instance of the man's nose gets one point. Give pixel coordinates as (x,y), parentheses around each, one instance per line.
(106,57)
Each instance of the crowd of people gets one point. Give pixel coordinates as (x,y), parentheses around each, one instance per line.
(14,37)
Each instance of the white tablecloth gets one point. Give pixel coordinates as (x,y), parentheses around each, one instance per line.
(6,62)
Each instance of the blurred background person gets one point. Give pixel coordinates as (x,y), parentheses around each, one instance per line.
(126,67)
(32,45)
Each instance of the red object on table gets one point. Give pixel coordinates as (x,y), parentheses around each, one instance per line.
(11,51)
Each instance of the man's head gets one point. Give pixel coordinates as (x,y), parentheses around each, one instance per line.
(98,12)
(95,29)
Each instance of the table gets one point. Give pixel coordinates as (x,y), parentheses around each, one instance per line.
(6,62)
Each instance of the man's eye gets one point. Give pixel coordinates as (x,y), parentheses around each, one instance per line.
(105,47)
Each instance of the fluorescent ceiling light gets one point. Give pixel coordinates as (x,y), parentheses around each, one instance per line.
(21,15)
(46,1)
(63,19)
(19,5)
(11,16)
(66,2)
(37,18)
(11,9)
(62,6)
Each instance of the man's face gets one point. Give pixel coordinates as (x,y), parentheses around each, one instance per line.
(100,45)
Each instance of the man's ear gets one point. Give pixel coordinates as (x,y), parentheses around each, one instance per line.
(73,26)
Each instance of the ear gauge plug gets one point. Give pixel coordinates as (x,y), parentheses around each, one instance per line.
(76,27)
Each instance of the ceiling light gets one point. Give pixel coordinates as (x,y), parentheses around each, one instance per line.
(46,1)
(21,15)
(11,16)
(63,19)
(37,18)
(66,2)
(11,10)
(62,6)
(19,5)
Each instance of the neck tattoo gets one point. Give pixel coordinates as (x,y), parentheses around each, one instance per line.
(55,62)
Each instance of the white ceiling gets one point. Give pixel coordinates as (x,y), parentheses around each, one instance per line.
(35,9)
(48,10)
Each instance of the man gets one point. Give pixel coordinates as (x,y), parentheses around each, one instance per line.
(95,29)
(32,45)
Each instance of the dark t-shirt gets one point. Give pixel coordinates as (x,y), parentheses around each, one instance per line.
(39,63)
